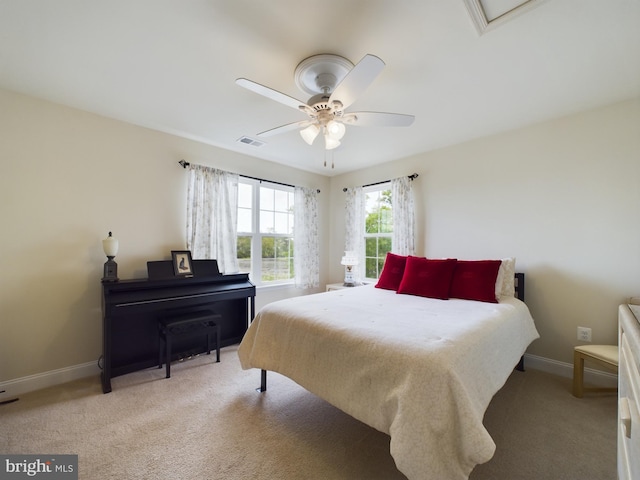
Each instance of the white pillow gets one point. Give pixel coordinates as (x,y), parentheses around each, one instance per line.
(499,281)
(505,281)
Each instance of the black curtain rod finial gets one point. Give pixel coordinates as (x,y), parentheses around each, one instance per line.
(184,163)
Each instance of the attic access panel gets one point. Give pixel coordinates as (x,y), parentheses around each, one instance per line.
(488,14)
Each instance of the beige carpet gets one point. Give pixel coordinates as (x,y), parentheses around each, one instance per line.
(208,422)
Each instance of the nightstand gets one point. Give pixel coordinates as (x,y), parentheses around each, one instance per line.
(340,286)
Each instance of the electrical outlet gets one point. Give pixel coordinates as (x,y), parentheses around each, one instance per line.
(584,334)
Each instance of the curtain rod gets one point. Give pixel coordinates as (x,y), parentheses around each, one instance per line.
(185,164)
(413,176)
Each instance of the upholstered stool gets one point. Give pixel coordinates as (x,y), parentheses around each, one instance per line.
(188,324)
(605,355)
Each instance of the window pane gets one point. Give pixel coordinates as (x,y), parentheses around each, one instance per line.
(380,265)
(268,259)
(266,198)
(370,271)
(384,246)
(281,201)
(266,222)
(245,195)
(386,220)
(371,220)
(281,223)
(244,254)
(371,247)
(244,220)
(276,259)
(268,250)
(282,247)
(371,225)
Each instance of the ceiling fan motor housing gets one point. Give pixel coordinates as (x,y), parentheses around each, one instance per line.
(321,73)
(320,103)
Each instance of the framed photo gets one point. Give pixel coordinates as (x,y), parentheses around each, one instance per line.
(182,265)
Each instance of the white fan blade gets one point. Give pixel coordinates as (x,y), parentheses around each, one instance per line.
(272,94)
(285,128)
(378,119)
(357,80)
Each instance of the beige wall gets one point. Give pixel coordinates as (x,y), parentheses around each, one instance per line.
(68,177)
(563,197)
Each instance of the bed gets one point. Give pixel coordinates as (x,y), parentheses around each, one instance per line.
(420,369)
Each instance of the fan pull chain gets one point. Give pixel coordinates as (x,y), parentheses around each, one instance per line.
(325,158)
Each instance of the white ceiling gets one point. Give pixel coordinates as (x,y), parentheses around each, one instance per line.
(171,65)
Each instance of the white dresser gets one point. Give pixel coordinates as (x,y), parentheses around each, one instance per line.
(629,393)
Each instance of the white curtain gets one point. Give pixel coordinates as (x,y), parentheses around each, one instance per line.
(306,257)
(403,238)
(354,227)
(212,210)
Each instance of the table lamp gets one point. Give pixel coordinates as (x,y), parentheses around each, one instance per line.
(110,246)
(349,261)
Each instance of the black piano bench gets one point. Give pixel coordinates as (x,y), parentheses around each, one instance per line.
(188,324)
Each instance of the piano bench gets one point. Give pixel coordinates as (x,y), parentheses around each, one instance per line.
(187,324)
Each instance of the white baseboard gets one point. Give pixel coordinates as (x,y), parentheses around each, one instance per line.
(13,388)
(591,376)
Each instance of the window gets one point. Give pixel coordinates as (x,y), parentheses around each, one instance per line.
(265,226)
(378,227)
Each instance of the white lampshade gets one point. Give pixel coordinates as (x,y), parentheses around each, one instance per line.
(330,143)
(350,258)
(310,133)
(110,246)
(336,129)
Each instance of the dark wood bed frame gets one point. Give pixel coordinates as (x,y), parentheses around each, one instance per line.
(519,293)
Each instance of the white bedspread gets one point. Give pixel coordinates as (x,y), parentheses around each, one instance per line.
(421,370)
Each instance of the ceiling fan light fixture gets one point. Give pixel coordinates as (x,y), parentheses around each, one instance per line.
(330,143)
(335,129)
(310,133)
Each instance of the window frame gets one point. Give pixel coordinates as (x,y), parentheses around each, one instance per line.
(255,272)
(380,187)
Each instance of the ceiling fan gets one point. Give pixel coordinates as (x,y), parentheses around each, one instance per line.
(334,83)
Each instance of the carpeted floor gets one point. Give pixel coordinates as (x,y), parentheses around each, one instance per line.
(208,422)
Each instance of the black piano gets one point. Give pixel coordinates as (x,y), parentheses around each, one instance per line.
(131,310)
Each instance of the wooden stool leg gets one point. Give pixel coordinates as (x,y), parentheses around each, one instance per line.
(578,374)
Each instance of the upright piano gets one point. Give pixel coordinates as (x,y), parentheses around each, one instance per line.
(131,310)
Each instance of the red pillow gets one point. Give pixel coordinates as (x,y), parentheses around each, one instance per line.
(427,278)
(475,280)
(392,272)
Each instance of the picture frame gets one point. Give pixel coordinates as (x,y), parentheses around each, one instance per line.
(182,263)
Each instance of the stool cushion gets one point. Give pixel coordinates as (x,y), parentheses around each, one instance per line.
(605,353)
(186,326)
